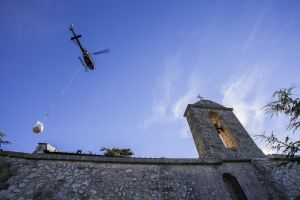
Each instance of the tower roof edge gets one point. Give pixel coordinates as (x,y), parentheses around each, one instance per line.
(207,104)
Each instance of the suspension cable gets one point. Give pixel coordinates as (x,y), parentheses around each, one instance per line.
(62,93)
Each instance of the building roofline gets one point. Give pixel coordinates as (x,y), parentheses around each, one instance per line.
(104,159)
(205,107)
(72,157)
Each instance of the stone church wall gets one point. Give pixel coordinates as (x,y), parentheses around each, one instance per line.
(282,181)
(52,176)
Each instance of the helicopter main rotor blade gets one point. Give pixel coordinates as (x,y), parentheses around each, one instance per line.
(101,52)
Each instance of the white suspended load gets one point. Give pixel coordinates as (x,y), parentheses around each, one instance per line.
(38,128)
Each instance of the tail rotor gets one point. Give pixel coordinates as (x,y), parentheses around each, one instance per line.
(101,52)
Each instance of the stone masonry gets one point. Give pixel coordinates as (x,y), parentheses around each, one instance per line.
(201,117)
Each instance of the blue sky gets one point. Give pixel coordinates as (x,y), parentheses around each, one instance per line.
(163,55)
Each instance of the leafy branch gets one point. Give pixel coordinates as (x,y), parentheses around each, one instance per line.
(117,152)
(3,142)
(288,146)
(285,103)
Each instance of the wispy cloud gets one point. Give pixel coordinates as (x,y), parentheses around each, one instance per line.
(247,93)
(25,20)
(173,93)
(163,98)
(254,37)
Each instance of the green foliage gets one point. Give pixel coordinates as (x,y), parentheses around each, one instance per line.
(286,103)
(288,146)
(3,142)
(117,152)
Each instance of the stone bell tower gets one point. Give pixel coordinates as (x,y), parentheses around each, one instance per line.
(218,133)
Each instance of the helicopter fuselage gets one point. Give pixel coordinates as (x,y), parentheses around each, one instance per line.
(88,60)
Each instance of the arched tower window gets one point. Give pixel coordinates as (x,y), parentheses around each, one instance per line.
(223,131)
(235,190)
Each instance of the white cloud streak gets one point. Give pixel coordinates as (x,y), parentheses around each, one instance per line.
(252,38)
(174,93)
(247,93)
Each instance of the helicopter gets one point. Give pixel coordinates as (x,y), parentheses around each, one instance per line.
(87,58)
